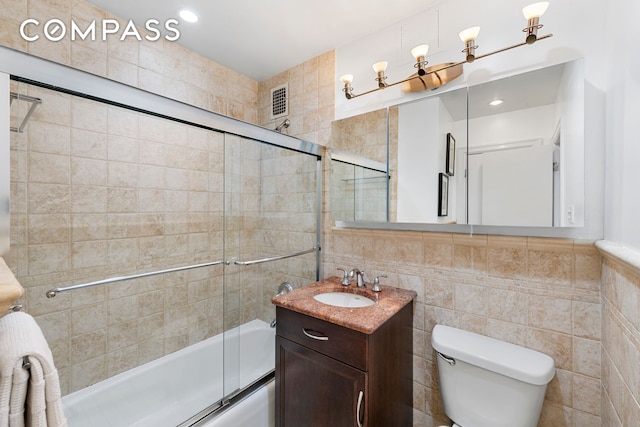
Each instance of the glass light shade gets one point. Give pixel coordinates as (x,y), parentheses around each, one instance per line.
(420,51)
(496,102)
(535,10)
(469,34)
(379,67)
(347,78)
(188,15)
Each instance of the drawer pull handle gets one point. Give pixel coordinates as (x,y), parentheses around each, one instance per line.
(360,396)
(313,336)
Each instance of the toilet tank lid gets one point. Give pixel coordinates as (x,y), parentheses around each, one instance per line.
(511,360)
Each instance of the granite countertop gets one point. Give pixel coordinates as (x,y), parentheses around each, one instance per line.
(362,319)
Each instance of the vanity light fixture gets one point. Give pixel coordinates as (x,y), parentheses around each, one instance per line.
(379,68)
(419,53)
(532,13)
(468,37)
(188,16)
(346,81)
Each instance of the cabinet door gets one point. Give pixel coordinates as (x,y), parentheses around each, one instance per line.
(315,390)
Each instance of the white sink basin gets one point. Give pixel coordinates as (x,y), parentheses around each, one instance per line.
(344,299)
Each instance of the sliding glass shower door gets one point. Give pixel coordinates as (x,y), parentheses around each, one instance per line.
(155,236)
(271,237)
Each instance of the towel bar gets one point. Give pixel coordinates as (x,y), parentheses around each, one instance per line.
(34,103)
(275,258)
(53,292)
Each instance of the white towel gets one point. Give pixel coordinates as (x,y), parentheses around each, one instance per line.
(31,397)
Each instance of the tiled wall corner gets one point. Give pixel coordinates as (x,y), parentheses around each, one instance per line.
(620,343)
(311,99)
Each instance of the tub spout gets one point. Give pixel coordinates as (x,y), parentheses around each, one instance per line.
(273,323)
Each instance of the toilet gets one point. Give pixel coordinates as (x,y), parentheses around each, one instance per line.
(486,382)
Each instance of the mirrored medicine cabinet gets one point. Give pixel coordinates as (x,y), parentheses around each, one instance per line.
(509,152)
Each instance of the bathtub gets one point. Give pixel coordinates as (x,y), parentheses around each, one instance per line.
(172,389)
(256,410)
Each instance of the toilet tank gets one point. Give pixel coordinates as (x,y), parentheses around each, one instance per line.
(486,382)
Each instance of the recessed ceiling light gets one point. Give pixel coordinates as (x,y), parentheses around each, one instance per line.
(496,102)
(188,15)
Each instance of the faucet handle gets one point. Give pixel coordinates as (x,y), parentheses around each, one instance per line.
(376,283)
(345,277)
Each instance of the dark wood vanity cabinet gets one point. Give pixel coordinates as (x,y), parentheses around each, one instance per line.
(328,375)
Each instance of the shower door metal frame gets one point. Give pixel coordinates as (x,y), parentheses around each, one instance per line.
(42,72)
(236,389)
(5,164)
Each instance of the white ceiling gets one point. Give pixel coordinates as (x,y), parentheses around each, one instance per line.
(261,38)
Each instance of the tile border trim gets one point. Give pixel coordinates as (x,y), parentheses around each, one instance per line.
(620,253)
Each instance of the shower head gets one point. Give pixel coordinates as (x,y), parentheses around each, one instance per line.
(285,124)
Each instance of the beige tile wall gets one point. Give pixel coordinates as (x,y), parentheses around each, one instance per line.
(98,191)
(311,99)
(270,211)
(161,67)
(620,344)
(540,293)
(353,197)
(365,135)
(288,221)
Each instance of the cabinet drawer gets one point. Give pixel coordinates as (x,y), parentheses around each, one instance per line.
(338,342)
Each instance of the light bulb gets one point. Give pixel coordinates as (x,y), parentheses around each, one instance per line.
(188,15)
(347,78)
(469,34)
(379,67)
(496,102)
(535,10)
(420,51)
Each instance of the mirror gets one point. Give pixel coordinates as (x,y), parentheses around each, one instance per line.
(359,168)
(455,159)
(358,193)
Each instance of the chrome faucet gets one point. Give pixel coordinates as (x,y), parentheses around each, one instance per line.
(359,275)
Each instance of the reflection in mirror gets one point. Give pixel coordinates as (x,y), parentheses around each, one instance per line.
(432,140)
(358,193)
(359,168)
(517,163)
(526,149)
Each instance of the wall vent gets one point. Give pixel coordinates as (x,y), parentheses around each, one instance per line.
(279,101)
